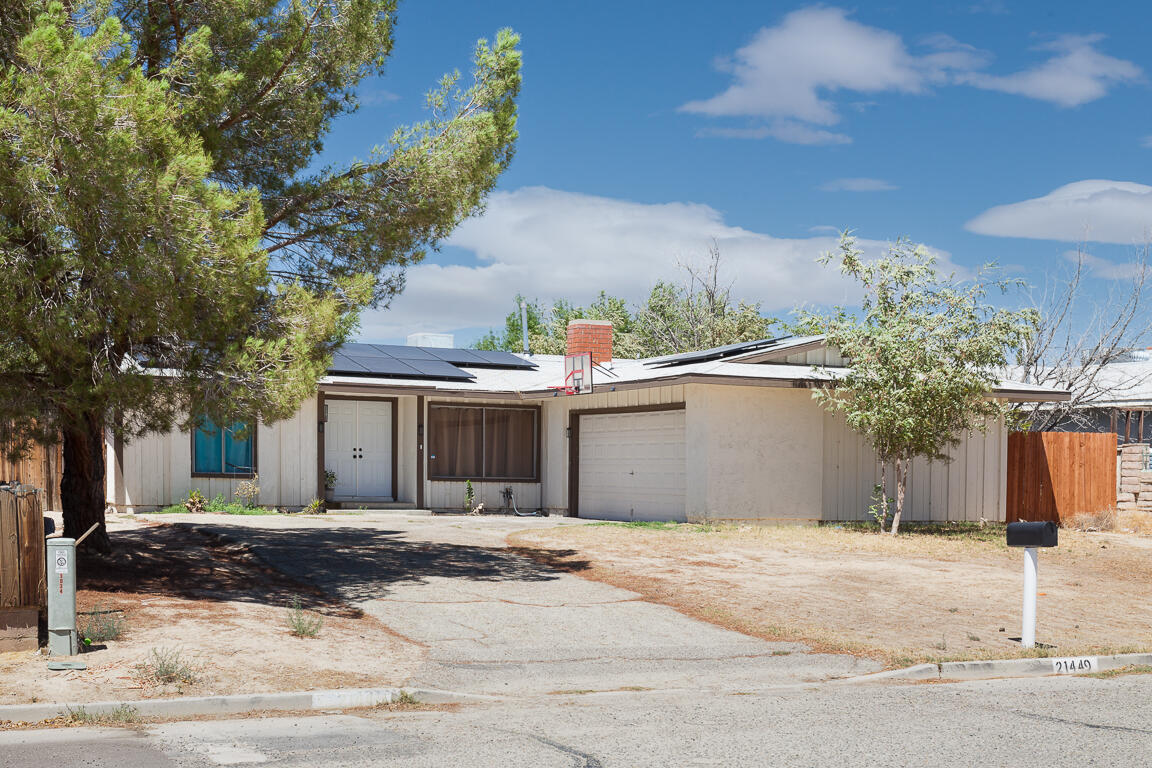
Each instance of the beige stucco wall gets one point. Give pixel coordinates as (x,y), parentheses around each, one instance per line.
(753,453)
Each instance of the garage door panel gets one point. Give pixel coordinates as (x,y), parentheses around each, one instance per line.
(632,466)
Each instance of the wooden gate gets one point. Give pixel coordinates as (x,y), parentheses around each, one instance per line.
(1055,475)
(40,468)
(21,550)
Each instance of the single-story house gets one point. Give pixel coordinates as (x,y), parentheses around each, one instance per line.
(731,433)
(1121,400)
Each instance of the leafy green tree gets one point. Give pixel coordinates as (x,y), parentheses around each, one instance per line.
(924,350)
(698,314)
(158,214)
(548,327)
(511,339)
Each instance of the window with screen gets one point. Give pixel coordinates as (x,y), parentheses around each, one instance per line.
(224,451)
(482,443)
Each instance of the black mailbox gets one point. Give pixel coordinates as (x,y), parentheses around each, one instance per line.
(1032,534)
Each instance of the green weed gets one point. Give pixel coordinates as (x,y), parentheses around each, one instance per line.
(303,623)
(122,715)
(167,665)
(102,624)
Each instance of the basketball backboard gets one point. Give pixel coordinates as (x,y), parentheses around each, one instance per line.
(578,374)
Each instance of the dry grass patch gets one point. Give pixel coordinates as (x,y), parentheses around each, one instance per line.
(204,618)
(932,594)
(1137,521)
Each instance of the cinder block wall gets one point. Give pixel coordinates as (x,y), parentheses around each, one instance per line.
(1135,491)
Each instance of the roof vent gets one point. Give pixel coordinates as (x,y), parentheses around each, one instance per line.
(440,340)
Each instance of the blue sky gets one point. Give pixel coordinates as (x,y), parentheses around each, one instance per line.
(990,131)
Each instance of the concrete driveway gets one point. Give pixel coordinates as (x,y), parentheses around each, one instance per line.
(495,621)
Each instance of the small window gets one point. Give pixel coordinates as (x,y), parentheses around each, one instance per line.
(482,443)
(228,451)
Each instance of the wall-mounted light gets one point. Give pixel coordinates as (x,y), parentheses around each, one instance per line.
(567,431)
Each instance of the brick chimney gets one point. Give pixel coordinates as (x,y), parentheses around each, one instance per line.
(593,336)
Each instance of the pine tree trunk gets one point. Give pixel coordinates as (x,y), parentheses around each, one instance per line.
(82,482)
(901,484)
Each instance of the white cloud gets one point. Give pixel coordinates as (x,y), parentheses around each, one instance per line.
(1094,210)
(1077,74)
(787,73)
(788,131)
(375,96)
(1146,142)
(789,77)
(857,184)
(1104,268)
(549,244)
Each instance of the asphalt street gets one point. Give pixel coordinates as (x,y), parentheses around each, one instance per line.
(1019,723)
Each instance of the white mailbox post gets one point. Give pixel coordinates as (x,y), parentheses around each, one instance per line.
(1030,536)
(62,636)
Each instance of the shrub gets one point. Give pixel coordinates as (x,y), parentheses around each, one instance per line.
(315,507)
(196,502)
(302,623)
(167,665)
(103,624)
(248,491)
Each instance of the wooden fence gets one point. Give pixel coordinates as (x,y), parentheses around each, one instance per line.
(21,550)
(1055,475)
(40,468)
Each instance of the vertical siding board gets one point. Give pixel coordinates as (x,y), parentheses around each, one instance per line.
(991,477)
(1002,462)
(1055,475)
(829,473)
(956,470)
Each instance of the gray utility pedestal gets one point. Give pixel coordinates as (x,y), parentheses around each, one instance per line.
(62,636)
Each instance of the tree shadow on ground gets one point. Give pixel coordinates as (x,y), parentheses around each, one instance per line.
(363,564)
(325,568)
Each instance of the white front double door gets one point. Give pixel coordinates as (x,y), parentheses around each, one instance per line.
(358,448)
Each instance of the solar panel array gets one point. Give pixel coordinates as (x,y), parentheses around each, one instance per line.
(397,361)
(715,353)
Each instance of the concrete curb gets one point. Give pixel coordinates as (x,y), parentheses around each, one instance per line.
(348,698)
(990,670)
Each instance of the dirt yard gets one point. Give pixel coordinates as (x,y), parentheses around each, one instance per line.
(213,608)
(919,597)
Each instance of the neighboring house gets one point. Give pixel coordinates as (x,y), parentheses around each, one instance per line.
(1121,401)
(726,434)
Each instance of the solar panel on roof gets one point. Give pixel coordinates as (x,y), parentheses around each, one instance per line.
(360,359)
(439,369)
(715,353)
(343,364)
(456,356)
(385,366)
(403,353)
(499,359)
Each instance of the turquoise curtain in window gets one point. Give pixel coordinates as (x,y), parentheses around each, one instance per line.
(207,454)
(222,451)
(238,448)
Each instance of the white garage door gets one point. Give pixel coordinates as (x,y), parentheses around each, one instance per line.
(632,466)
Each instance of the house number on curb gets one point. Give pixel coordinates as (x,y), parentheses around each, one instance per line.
(1075,666)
